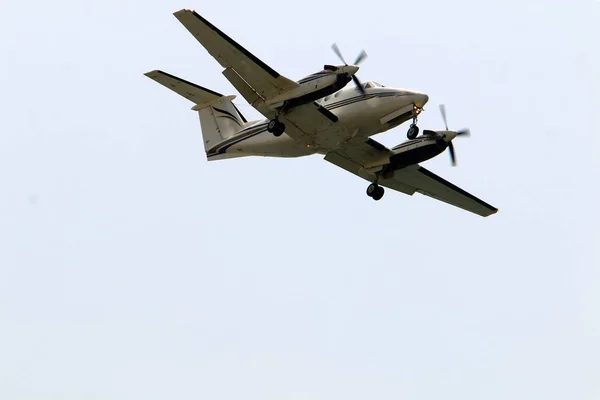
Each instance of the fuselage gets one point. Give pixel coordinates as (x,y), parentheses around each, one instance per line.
(378,110)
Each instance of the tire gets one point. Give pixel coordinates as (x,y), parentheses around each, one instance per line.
(372,189)
(412,133)
(278,129)
(378,193)
(272,125)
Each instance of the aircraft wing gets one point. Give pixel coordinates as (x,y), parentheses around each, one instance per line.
(429,184)
(264,81)
(362,158)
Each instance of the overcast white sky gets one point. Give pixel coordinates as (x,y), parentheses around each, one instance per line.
(131,268)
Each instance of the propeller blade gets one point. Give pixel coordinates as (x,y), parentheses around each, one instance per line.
(361,57)
(452,154)
(337,51)
(358,84)
(443,112)
(463,132)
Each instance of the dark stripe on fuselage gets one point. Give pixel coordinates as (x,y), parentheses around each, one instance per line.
(358,98)
(224,148)
(313,77)
(349,101)
(232,42)
(331,116)
(241,135)
(250,131)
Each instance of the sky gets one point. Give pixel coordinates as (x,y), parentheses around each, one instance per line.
(132,268)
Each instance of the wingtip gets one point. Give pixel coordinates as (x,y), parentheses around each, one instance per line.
(153,73)
(184,11)
(492,212)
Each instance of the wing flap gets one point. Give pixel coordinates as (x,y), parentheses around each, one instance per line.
(349,165)
(241,86)
(306,121)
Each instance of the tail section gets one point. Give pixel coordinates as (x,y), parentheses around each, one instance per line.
(219,117)
(219,120)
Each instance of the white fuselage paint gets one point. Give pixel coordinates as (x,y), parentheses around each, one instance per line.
(362,115)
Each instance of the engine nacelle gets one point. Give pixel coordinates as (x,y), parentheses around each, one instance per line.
(417,150)
(318,85)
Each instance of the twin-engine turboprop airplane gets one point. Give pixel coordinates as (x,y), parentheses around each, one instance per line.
(318,114)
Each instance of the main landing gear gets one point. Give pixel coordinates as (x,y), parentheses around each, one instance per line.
(375,191)
(276,127)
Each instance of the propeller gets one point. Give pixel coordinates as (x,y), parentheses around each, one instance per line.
(462,132)
(443,112)
(360,58)
(452,154)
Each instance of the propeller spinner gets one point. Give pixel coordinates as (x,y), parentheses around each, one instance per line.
(360,58)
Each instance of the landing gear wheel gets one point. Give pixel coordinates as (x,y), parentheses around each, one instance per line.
(413,131)
(372,189)
(276,127)
(378,193)
(375,191)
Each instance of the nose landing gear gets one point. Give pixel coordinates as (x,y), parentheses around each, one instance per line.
(413,131)
(375,191)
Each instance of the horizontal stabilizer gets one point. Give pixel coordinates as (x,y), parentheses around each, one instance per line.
(191,91)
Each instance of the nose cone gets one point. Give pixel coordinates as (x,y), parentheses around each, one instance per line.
(449,135)
(420,99)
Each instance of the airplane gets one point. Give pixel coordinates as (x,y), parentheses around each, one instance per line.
(318,114)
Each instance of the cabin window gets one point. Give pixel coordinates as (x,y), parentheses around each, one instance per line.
(337,94)
(326,98)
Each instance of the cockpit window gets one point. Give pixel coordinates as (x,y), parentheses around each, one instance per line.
(365,86)
(369,85)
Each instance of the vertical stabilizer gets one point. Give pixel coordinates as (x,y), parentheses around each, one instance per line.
(219,120)
(219,117)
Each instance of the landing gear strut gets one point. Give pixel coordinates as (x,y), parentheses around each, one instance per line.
(276,127)
(413,131)
(375,191)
